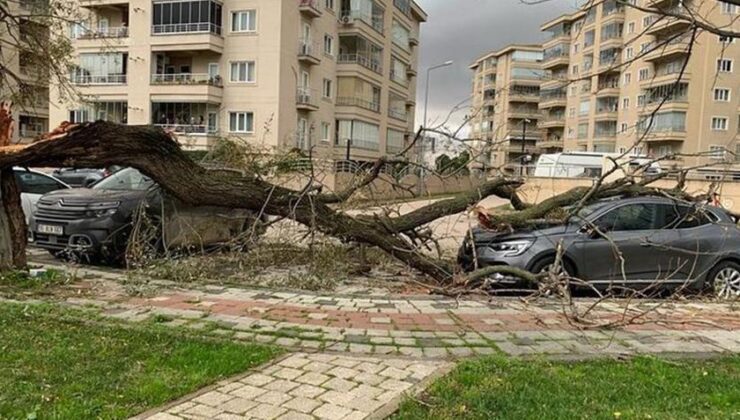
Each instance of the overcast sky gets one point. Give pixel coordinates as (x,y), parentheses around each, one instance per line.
(462,30)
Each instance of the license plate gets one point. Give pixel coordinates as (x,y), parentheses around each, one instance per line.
(51,229)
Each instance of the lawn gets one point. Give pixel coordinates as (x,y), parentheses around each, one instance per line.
(55,363)
(643,388)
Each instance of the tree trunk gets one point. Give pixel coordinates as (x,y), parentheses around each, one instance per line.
(12,224)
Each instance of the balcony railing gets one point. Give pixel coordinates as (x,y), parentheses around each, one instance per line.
(191,129)
(177,28)
(310,6)
(397,114)
(364,61)
(554,55)
(110,32)
(187,79)
(359,102)
(103,79)
(609,84)
(306,97)
(399,77)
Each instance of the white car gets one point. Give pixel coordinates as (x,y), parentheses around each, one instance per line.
(34,184)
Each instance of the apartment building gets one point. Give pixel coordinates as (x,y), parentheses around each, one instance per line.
(505,115)
(330,76)
(617,75)
(29,92)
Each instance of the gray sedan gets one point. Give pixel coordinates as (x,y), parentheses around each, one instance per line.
(633,242)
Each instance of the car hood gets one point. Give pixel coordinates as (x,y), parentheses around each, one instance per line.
(83,196)
(483,235)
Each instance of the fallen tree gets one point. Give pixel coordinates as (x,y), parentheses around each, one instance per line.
(155,153)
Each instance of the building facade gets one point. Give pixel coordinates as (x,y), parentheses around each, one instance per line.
(23,82)
(280,74)
(621,79)
(506,91)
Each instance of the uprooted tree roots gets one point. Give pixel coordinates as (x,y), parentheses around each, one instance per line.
(155,153)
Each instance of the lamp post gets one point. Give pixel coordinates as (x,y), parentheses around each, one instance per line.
(424,123)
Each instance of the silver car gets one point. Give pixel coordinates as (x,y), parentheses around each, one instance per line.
(633,242)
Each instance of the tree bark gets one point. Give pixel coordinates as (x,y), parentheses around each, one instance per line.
(12,224)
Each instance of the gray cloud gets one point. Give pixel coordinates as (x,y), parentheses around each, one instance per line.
(462,30)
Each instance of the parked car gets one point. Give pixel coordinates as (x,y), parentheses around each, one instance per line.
(34,184)
(660,239)
(96,222)
(84,177)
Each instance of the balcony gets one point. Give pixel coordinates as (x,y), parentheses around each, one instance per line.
(102,79)
(308,53)
(555,121)
(102,33)
(195,87)
(610,64)
(524,112)
(666,77)
(672,135)
(669,51)
(398,114)
(553,101)
(668,25)
(512,148)
(369,104)
(371,64)
(607,113)
(309,8)
(351,18)
(608,88)
(306,99)
(187,37)
(556,60)
(399,77)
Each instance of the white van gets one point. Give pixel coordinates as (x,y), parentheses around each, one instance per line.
(584,164)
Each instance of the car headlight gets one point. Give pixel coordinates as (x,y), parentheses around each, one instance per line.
(103,209)
(510,249)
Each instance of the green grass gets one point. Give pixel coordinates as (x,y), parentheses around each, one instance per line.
(55,363)
(643,388)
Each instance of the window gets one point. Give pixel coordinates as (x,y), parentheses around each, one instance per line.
(623,127)
(644,74)
(363,135)
(728,8)
(722,95)
(631,28)
(681,217)
(583,131)
(575,48)
(716,152)
(241,122)
(584,107)
(329,4)
(325,132)
(641,100)
(328,89)
(628,218)
(242,72)
(625,103)
(724,65)
(328,45)
(575,70)
(726,40)
(244,21)
(628,53)
(33,183)
(719,123)
(186,16)
(572,112)
(400,35)
(645,47)
(627,78)
(647,21)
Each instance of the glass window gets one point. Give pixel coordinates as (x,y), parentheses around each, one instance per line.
(628,218)
(400,35)
(722,95)
(242,72)
(719,123)
(33,183)
(244,21)
(325,132)
(241,122)
(682,217)
(126,180)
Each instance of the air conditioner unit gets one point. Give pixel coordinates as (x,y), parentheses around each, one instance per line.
(348,20)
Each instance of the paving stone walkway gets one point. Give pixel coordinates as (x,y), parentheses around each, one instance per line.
(309,386)
(358,355)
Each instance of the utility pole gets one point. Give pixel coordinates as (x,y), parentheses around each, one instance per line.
(524,142)
(422,174)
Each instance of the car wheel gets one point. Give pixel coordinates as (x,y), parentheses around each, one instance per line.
(544,265)
(725,280)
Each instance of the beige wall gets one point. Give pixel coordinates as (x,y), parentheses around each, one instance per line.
(535,190)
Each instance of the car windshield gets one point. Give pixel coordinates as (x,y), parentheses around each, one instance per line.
(126,180)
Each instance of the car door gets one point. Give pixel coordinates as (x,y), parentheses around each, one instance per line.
(619,253)
(33,185)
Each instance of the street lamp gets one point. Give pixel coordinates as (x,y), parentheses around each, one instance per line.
(424,122)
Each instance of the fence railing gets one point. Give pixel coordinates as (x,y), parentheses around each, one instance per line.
(364,61)
(200,129)
(101,79)
(110,32)
(187,79)
(176,28)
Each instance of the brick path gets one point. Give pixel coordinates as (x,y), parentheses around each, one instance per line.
(309,386)
(359,345)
